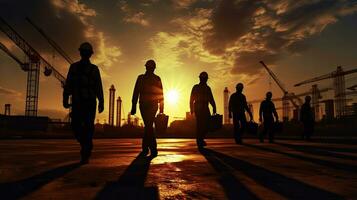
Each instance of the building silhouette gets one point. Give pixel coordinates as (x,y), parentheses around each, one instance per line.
(7,109)
(226,118)
(119,103)
(111,105)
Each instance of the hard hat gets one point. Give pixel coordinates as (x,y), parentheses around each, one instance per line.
(150,63)
(239,85)
(269,94)
(308,98)
(86,46)
(203,75)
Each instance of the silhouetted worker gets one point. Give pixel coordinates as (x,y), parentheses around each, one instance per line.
(266,112)
(84,84)
(148,89)
(307,118)
(201,96)
(238,105)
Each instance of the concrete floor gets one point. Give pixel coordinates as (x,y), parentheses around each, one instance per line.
(48,169)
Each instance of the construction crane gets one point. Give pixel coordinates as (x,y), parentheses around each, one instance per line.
(297,95)
(60,51)
(286,95)
(51,42)
(35,62)
(24,66)
(353,87)
(339,87)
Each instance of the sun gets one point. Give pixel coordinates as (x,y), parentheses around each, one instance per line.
(172,97)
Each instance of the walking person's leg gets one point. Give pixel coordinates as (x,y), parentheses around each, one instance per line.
(145,141)
(199,129)
(151,133)
(236,128)
(243,126)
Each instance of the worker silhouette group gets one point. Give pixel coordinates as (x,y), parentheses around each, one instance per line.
(83,87)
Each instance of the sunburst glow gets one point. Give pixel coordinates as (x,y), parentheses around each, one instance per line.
(172,97)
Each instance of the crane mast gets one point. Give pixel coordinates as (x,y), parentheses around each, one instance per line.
(338,77)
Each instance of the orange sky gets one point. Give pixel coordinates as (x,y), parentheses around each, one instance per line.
(225,38)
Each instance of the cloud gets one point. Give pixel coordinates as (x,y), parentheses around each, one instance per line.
(183,4)
(249,31)
(133,16)
(9,92)
(69,23)
(106,56)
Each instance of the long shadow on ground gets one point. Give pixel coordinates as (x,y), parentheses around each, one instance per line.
(21,188)
(130,184)
(325,163)
(285,186)
(316,151)
(232,187)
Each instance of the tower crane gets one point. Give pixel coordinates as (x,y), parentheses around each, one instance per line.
(286,95)
(51,42)
(35,62)
(339,86)
(59,50)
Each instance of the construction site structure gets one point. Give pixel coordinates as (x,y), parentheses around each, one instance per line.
(61,52)
(329,109)
(315,102)
(119,103)
(226,118)
(338,77)
(111,105)
(7,111)
(35,61)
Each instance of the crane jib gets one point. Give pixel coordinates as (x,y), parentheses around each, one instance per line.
(29,50)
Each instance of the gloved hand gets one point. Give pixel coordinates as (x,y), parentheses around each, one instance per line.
(100,107)
(214,111)
(133,110)
(65,103)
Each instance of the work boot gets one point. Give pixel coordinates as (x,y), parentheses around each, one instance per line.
(153,153)
(239,141)
(144,153)
(201,143)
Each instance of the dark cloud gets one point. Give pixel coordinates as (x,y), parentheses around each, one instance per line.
(61,24)
(230,20)
(266,30)
(69,23)
(248,62)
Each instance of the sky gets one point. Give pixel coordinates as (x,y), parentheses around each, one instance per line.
(298,40)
